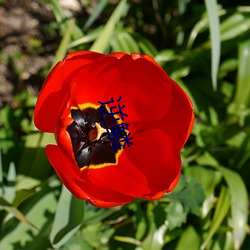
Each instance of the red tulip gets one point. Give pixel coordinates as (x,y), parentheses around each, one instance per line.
(159,114)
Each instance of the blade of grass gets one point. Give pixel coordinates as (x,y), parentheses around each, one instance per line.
(1,176)
(61,19)
(90,37)
(155,237)
(102,42)
(234,26)
(57,10)
(242,97)
(129,240)
(68,218)
(14,211)
(101,6)
(10,189)
(62,50)
(214,27)
(239,204)
(221,211)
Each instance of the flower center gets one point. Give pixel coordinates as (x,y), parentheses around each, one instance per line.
(96,133)
(90,142)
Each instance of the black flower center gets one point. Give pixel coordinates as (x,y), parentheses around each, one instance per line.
(89,138)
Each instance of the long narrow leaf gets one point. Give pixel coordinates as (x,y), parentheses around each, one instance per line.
(62,50)
(1,176)
(221,211)
(14,211)
(239,204)
(68,219)
(214,27)
(103,40)
(242,96)
(10,189)
(101,6)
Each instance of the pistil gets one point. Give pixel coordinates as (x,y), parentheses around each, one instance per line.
(96,133)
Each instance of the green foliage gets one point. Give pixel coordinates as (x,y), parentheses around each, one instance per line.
(205,47)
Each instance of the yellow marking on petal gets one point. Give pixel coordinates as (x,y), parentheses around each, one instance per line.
(117,155)
(85,106)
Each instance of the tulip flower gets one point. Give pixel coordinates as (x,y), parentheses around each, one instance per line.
(159,117)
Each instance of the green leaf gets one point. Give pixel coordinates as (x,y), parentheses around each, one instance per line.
(96,13)
(239,204)
(123,41)
(242,97)
(14,211)
(39,210)
(62,20)
(129,240)
(62,50)
(57,10)
(103,40)
(220,213)
(208,178)
(1,176)
(127,42)
(164,56)
(235,25)
(22,195)
(68,218)
(176,215)
(90,37)
(201,24)
(192,196)
(214,27)
(140,224)
(10,189)
(96,234)
(242,155)
(155,236)
(190,239)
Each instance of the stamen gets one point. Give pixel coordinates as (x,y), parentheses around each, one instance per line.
(96,133)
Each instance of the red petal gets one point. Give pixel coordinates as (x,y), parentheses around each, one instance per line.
(55,92)
(78,183)
(144,89)
(179,120)
(158,159)
(118,55)
(148,168)
(62,136)
(125,178)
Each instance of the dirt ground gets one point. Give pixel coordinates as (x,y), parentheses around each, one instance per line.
(29,38)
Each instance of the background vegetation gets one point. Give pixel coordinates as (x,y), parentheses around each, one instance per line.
(205,47)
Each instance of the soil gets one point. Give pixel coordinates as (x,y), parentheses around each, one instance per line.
(28,41)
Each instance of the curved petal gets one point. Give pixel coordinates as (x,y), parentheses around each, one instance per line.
(160,161)
(174,183)
(63,138)
(179,120)
(78,183)
(145,91)
(146,169)
(118,55)
(55,92)
(123,177)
